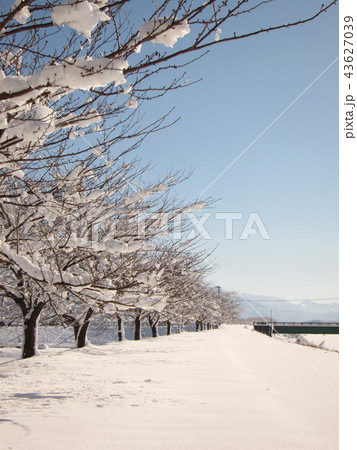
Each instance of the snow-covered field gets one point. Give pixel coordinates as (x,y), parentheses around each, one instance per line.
(230,388)
(323,341)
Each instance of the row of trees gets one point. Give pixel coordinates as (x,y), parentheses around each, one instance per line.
(80,242)
(83,228)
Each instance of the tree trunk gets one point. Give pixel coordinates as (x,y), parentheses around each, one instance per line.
(121,329)
(154,330)
(197,325)
(201,326)
(137,328)
(80,329)
(81,339)
(168,328)
(29,345)
(153,326)
(75,324)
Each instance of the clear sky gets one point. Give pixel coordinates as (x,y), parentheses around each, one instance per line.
(289,176)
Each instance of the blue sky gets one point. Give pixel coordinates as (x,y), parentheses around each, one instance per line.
(289,176)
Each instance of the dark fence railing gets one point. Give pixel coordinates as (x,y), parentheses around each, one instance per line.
(269,328)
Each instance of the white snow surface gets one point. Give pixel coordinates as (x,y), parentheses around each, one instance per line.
(230,388)
(79,73)
(131,103)
(323,341)
(217,36)
(164,30)
(194,207)
(31,125)
(81,16)
(22,15)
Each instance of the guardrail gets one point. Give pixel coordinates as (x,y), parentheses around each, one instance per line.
(297,327)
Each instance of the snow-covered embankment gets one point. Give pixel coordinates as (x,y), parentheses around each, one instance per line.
(229,388)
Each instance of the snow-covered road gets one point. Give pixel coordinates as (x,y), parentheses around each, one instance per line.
(230,388)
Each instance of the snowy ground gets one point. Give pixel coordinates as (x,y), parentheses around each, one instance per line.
(231,388)
(324,341)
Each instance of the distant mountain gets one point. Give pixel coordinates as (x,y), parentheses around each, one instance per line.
(255,306)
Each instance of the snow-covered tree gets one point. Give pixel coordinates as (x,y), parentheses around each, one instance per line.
(73,78)
(73,244)
(74,72)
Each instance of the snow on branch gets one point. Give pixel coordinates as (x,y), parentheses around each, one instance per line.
(82,16)
(78,73)
(22,13)
(31,126)
(164,30)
